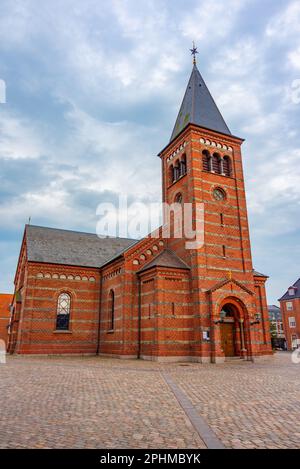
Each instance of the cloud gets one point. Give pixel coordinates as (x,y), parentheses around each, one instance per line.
(119,155)
(15,24)
(18,137)
(294,58)
(285,23)
(65,188)
(238,59)
(211,20)
(261,124)
(96,95)
(16,176)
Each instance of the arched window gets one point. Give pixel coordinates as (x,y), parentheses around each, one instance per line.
(171,174)
(183,165)
(206,160)
(216,163)
(111,306)
(226,166)
(178,198)
(176,170)
(63,312)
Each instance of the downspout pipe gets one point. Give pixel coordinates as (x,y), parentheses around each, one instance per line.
(139,317)
(99,315)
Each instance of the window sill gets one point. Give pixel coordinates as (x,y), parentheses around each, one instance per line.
(111,331)
(178,179)
(62,332)
(217,174)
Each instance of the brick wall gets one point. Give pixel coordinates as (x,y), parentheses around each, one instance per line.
(291,332)
(111,338)
(5,301)
(167,327)
(225,224)
(35,325)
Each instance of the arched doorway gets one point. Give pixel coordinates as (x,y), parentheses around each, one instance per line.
(228,330)
(232,329)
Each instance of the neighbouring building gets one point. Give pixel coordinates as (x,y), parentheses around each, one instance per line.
(276,328)
(154,298)
(290,310)
(6,300)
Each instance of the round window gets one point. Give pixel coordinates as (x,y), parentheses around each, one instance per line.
(219,194)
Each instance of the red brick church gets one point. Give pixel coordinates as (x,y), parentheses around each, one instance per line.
(76,293)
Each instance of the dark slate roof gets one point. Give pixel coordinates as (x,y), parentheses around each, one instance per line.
(286,296)
(51,245)
(198,107)
(258,274)
(167,258)
(274,313)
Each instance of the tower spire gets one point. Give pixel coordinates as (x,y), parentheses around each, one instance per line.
(194,52)
(198,106)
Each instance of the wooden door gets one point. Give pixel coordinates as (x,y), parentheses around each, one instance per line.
(227,336)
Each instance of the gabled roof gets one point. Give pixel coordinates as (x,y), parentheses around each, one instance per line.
(258,274)
(167,258)
(198,107)
(287,296)
(273,308)
(274,313)
(55,246)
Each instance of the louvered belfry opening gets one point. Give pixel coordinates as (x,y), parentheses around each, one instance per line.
(171,174)
(216,163)
(178,170)
(206,160)
(226,166)
(183,165)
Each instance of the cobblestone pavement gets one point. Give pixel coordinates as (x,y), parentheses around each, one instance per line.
(94,402)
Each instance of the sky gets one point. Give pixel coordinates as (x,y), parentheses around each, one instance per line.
(93,89)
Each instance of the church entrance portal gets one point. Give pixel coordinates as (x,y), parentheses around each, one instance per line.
(227,337)
(230,330)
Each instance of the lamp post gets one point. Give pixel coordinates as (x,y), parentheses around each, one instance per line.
(222,317)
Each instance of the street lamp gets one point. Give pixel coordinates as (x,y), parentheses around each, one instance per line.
(257,319)
(222,317)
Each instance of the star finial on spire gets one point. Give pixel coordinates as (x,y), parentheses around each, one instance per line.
(194,52)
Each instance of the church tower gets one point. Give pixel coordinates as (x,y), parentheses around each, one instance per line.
(202,164)
(163,297)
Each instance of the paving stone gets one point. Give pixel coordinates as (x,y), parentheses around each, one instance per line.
(93,402)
